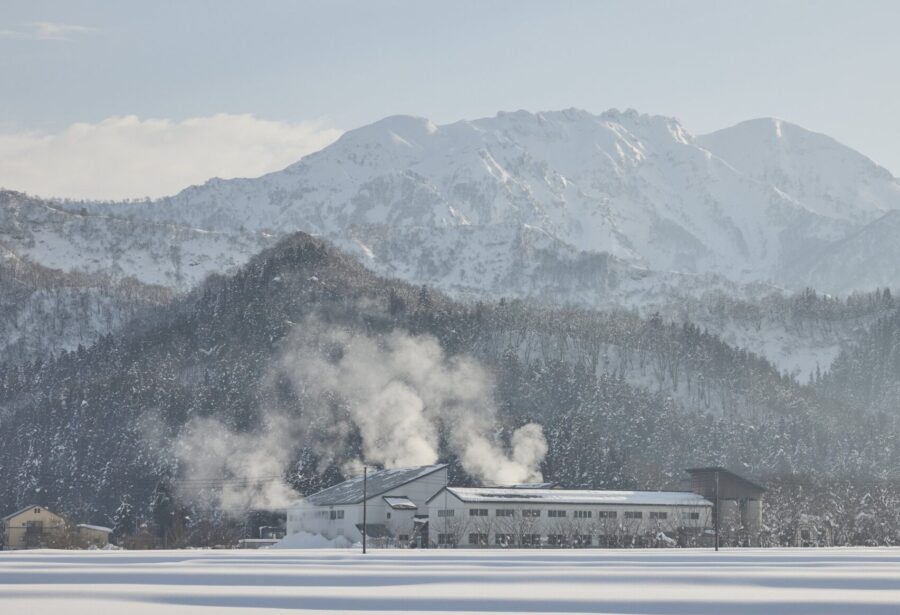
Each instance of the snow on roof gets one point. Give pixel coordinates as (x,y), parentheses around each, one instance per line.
(377,483)
(99,528)
(400,503)
(577,496)
(529,486)
(26,509)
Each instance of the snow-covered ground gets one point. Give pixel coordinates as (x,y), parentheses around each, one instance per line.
(657,582)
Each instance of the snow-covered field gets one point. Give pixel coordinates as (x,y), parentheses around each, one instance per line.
(769,582)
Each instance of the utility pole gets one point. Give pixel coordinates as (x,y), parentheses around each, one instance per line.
(716,508)
(365,480)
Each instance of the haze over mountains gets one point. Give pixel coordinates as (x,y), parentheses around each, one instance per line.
(692,336)
(609,210)
(754,203)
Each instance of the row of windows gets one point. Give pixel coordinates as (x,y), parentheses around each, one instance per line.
(528,540)
(578,514)
(532,513)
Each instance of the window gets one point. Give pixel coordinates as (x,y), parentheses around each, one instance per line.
(478,539)
(531,540)
(607,514)
(582,540)
(582,514)
(337,514)
(506,512)
(659,515)
(634,514)
(504,540)
(478,512)
(557,540)
(446,512)
(690,516)
(389,515)
(403,538)
(531,512)
(556,513)
(447,539)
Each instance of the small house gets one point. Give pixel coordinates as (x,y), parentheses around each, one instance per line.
(92,535)
(30,527)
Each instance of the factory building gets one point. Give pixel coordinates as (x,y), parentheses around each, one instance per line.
(737,504)
(528,517)
(396,509)
(416,507)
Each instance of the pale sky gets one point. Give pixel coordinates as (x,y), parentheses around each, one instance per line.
(127,99)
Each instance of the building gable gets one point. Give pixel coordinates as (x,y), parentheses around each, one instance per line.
(378,483)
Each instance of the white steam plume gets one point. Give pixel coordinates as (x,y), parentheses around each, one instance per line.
(235,472)
(402,393)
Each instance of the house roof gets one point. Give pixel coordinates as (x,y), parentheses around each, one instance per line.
(574,496)
(399,502)
(749,482)
(27,508)
(377,483)
(99,528)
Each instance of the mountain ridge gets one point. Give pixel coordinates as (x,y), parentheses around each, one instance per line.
(618,209)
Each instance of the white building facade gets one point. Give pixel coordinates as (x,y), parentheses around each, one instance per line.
(396,509)
(524,517)
(415,507)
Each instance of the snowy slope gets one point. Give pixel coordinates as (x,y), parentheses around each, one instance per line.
(79,241)
(740,203)
(567,206)
(824,176)
(867,258)
(46,311)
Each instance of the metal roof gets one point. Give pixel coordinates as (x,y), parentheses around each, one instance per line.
(400,502)
(378,483)
(726,471)
(574,496)
(530,486)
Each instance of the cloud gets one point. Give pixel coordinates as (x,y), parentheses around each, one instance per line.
(46,31)
(128,157)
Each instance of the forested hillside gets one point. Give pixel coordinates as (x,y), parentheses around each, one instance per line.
(624,401)
(866,376)
(44,311)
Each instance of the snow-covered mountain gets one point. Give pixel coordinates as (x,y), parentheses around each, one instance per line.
(746,203)
(823,175)
(569,207)
(81,241)
(68,277)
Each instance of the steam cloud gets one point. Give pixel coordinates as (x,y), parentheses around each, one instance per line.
(400,393)
(234,471)
(404,394)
